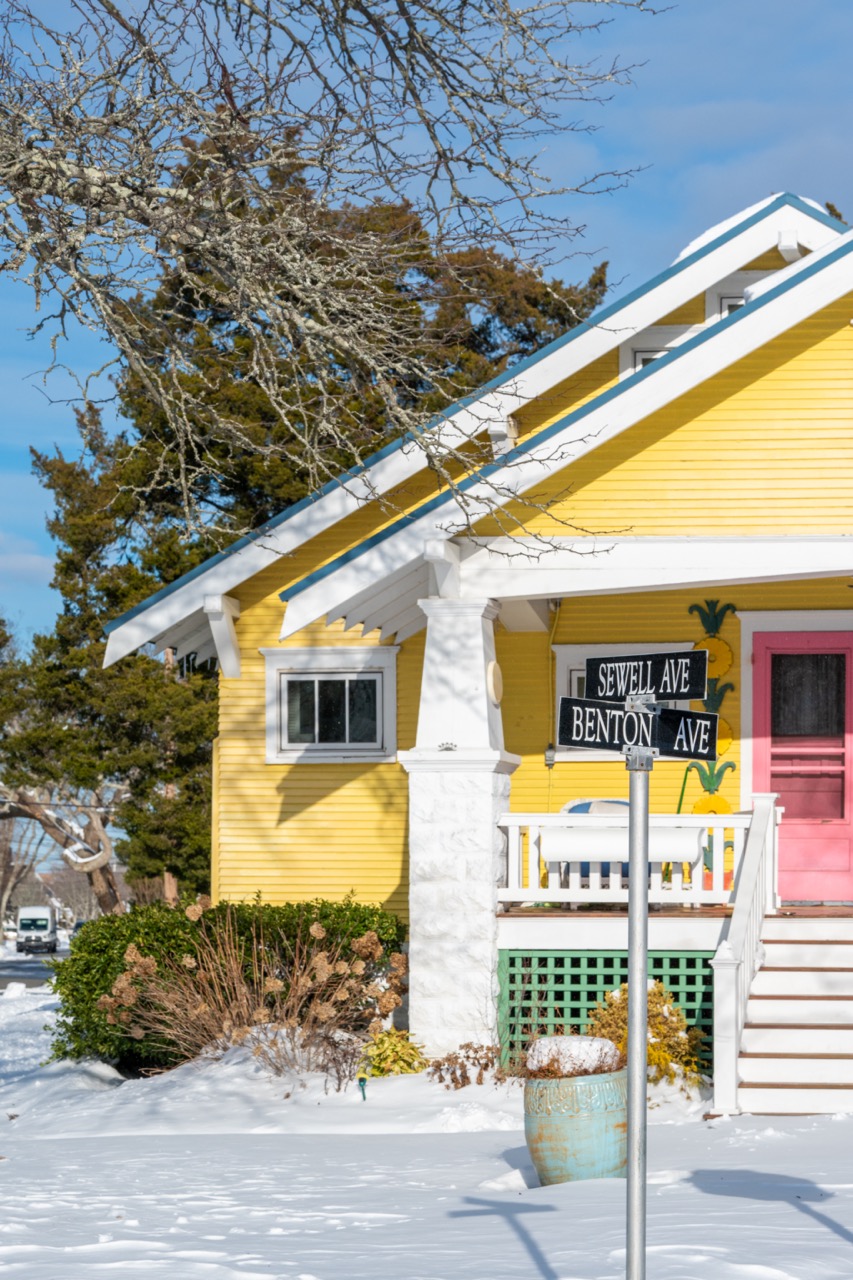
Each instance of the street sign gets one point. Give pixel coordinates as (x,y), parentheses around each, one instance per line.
(662,676)
(610,726)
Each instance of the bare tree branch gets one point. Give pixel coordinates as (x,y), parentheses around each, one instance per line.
(237,149)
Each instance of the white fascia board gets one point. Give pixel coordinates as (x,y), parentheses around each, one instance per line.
(640,313)
(585,430)
(228,572)
(729,224)
(576,568)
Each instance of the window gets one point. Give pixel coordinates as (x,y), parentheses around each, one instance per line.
(570,680)
(643,358)
(728,305)
(331,705)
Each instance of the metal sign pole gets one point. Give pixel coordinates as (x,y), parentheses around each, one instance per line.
(639,764)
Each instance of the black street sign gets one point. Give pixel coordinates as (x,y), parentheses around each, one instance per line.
(663,676)
(608,726)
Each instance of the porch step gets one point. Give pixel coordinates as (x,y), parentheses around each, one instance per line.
(797,1041)
(782,954)
(835,1011)
(799,1072)
(808,929)
(797,1046)
(803,1100)
(814,983)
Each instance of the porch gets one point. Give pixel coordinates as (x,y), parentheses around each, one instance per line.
(562,918)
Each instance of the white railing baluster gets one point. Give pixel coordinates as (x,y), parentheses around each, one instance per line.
(563,843)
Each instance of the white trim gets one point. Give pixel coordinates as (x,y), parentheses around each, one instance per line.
(641,397)
(757,621)
(221,612)
(496,404)
(351,659)
(571,657)
(732,286)
(580,931)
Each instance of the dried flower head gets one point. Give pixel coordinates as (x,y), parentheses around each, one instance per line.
(323,1010)
(136,1033)
(189,962)
(204,902)
(272,986)
(399,962)
(375,1027)
(368,946)
(388,1002)
(316,930)
(193,911)
(260,1015)
(132,955)
(374,990)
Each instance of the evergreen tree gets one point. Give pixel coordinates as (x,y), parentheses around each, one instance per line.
(130,747)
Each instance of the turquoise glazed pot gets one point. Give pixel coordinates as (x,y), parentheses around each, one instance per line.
(577,1128)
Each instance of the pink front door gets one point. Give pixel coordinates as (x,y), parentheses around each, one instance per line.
(803,735)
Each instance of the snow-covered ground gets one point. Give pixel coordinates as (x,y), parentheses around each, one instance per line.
(217,1171)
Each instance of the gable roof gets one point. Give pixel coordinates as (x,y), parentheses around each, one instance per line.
(176,614)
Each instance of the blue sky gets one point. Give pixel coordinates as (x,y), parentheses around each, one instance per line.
(732,100)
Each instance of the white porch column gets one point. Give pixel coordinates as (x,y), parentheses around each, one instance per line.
(458,786)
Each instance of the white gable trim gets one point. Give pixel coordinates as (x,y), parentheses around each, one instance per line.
(579,433)
(616,323)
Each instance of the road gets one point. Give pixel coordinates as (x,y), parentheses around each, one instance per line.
(31,970)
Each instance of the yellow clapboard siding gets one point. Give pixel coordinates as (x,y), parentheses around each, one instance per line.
(692,312)
(732,455)
(569,394)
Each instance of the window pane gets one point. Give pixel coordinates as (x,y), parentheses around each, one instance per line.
(363,724)
(331,711)
(300,711)
(807,695)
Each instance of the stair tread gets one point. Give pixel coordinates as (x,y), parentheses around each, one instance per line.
(773,1084)
(797,1057)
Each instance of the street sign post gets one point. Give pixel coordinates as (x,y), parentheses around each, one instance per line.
(640,728)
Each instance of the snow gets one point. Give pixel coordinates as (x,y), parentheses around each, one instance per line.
(217,1172)
(574,1055)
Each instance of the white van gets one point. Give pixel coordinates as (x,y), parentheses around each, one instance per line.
(36,929)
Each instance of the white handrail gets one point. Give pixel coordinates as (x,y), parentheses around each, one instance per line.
(739,955)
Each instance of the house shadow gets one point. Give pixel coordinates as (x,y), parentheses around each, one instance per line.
(749,1184)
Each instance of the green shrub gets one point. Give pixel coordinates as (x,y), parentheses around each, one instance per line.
(392,1053)
(168,934)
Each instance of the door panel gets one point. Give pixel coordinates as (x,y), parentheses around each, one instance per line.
(803,692)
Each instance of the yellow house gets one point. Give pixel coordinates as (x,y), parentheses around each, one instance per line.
(675,473)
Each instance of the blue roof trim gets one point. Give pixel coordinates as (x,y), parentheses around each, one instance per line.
(650,370)
(604,313)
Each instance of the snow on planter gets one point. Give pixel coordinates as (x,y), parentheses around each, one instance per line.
(573,1055)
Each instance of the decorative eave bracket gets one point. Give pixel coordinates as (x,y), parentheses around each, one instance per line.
(221,612)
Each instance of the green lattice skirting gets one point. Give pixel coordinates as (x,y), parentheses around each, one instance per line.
(552,991)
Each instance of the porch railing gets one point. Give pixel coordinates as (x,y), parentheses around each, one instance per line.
(582,858)
(741,954)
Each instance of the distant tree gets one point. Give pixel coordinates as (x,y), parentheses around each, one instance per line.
(23,846)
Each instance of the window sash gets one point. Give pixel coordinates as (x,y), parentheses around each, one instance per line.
(325,711)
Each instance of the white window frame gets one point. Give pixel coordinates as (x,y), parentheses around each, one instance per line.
(657,340)
(570,661)
(729,289)
(351,660)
